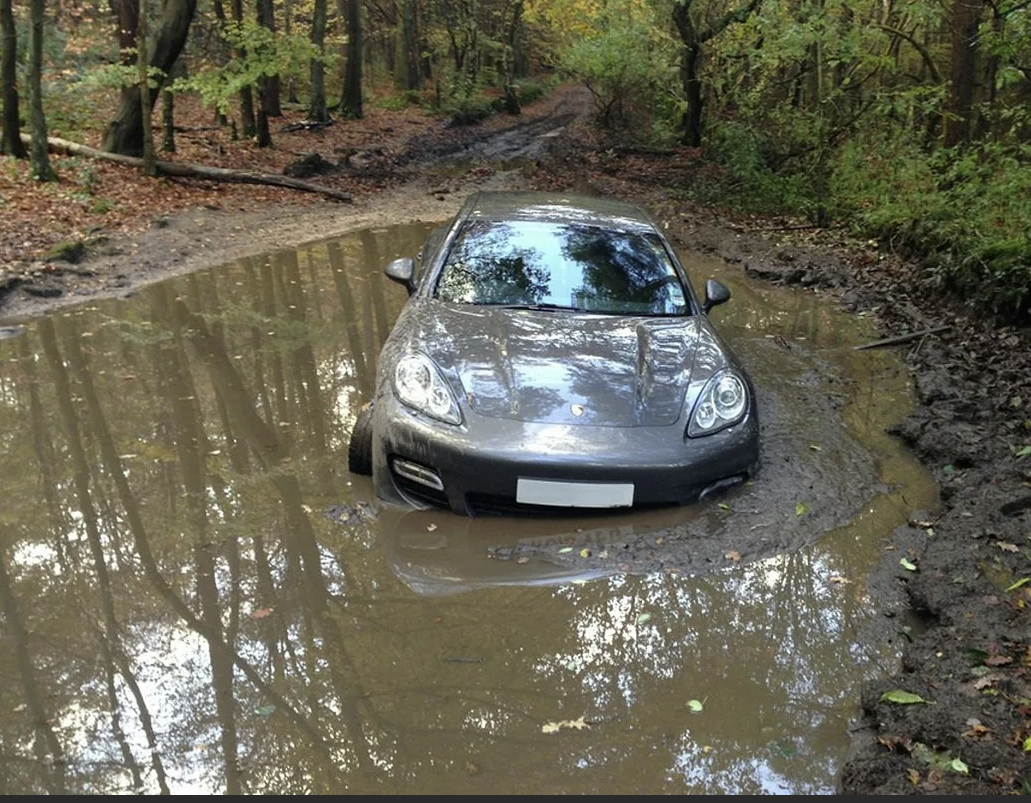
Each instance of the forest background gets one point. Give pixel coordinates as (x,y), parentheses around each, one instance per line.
(904,121)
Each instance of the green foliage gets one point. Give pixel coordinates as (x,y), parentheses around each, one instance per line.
(966,211)
(472,110)
(752,172)
(267,53)
(628,69)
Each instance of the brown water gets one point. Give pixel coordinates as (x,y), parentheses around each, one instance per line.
(197,597)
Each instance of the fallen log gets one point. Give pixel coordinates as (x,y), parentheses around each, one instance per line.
(190,170)
(899,339)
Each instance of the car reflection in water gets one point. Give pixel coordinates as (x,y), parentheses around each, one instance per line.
(436,553)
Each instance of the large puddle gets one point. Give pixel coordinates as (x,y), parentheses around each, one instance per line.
(197,597)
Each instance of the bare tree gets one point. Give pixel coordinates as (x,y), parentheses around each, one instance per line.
(40,161)
(10,137)
(966,17)
(351,99)
(317,105)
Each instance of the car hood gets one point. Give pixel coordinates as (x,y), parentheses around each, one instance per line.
(571,368)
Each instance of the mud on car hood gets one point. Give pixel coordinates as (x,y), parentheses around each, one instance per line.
(567,367)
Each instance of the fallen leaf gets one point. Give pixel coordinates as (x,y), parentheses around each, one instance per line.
(1019,583)
(901,697)
(585,553)
(695,706)
(260,613)
(723,506)
(976,732)
(431,527)
(1007,547)
(958,766)
(837,578)
(985,681)
(908,564)
(733,555)
(914,774)
(998,660)
(644,617)
(1027,741)
(565,548)
(801,508)
(265,710)
(555,727)
(814,446)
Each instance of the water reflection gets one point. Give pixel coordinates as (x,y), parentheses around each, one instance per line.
(181,615)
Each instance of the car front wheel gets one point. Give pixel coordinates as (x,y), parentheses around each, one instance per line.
(359,450)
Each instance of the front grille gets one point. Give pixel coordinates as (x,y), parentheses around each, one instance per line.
(481,504)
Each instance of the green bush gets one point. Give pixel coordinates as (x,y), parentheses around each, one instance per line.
(472,110)
(964,212)
(746,174)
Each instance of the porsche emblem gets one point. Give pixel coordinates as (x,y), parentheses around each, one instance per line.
(576,409)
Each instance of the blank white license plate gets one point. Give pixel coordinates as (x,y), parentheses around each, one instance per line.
(574,494)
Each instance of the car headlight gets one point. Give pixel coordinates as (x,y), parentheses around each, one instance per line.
(723,402)
(419,384)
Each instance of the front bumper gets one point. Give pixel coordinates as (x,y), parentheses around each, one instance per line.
(480,462)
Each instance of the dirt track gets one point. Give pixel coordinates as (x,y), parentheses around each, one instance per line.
(974,416)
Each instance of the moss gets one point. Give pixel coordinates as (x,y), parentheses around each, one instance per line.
(72,251)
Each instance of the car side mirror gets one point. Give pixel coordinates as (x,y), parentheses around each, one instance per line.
(716,293)
(401,271)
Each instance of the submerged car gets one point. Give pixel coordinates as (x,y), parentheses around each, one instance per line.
(553,354)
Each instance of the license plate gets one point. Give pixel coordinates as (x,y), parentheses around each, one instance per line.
(558,493)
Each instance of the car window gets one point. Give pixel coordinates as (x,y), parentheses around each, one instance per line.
(561,265)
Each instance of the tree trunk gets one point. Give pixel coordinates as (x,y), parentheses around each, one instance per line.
(692,86)
(966,15)
(168,110)
(263,136)
(317,106)
(40,162)
(125,133)
(288,21)
(692,136)
(351,99)
(187,170)
(508,59)
(10,138)
(145,101)
(128,14)
(691,39)
(270,83)
(248,126)
(410,40)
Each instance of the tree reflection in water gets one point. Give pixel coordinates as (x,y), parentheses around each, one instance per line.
(181,616)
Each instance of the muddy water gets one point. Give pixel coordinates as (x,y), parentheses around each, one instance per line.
(197,597)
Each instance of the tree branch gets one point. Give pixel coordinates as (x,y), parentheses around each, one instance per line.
(189,170)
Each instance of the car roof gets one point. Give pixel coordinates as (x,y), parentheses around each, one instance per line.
(553,207)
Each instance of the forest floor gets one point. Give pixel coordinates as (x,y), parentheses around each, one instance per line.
(966,726)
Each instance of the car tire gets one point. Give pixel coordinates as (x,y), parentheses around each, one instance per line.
(359,450)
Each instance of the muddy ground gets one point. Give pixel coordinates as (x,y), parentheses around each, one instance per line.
(965,731)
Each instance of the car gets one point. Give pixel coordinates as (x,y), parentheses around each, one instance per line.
(552,353)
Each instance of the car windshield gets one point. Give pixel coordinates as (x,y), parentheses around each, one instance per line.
(561,266)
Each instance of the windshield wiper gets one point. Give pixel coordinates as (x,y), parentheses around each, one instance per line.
(541,307)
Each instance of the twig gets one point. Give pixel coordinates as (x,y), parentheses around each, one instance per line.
(899,339)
